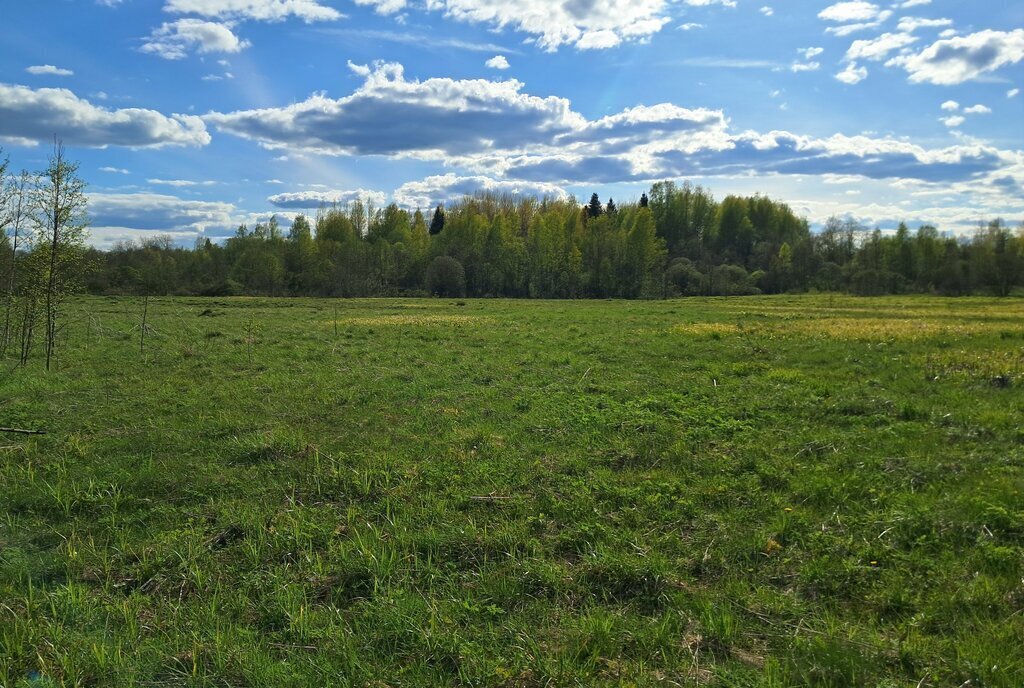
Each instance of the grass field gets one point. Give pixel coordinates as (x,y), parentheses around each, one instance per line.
(777,491)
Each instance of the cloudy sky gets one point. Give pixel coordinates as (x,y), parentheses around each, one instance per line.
(191,116)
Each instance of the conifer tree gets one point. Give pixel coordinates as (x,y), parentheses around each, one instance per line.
(437,224)
(594,209)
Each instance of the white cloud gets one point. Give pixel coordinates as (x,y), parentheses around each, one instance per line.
(385,6)
(953,121)
(493,130)
(963,58)
(449,187)
(584,24)
(28,116)
(390,115)
(852,74)
(174,40)
(179,183)
(304,200)
(498,62)
(912,24)
(259,10)
(598,40)
(49,70)
(114,170)
(851,17)
(121,216)
(767,11)
(880,47)
(1013,93)
(950,106)
(847,12)
(978,110)
(847,29)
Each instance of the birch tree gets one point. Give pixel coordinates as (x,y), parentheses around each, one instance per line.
(59,210)
(16,201)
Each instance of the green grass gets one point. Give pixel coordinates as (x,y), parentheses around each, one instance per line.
(766,491)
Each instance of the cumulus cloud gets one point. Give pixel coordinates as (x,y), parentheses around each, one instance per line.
(49,70)
(440,118)
(498,62)
(705,3)
(963,58)
(554,23)
(179,183)
(117,217)
(879,48)
(776,153)
(390,115)
(851,17)
(303,200)
(28,116)
(911,24)
(846,12)
(450,187)
(493,130)
(174,40)
(259,10)
(852,74)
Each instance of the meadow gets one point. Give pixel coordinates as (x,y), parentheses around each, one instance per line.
(758,491)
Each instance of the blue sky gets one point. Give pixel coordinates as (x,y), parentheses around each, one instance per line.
(191,116)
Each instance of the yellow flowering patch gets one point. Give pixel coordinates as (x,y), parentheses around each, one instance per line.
(886,329)
(941,309)
(706,329)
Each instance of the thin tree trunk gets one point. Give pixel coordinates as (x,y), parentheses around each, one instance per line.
(51,285)
(13,277)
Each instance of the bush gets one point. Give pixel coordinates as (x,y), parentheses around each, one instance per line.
(732,280)
(446,277)
(684,279)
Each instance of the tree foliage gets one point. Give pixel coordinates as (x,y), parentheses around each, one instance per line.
(676,241)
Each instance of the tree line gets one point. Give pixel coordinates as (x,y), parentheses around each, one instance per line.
(676,240)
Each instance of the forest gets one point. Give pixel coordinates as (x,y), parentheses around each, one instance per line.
(676,240)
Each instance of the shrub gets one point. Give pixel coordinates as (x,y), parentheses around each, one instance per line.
(446,277)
